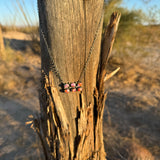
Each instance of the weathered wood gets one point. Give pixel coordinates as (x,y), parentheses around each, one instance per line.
(107,44)
(70,125)
(110,75)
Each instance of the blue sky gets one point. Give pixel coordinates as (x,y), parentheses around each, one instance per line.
(147,6)
(10,14)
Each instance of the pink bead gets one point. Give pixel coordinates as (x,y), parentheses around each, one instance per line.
(79,84)
(73,89)
(66,86)
(66,90)
(73,85)
(79,89)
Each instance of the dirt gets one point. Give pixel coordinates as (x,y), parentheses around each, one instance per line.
(132,112)
(16,35)
(19,83)
(133,104)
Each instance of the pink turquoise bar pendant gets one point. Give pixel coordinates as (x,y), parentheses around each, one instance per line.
(72,87)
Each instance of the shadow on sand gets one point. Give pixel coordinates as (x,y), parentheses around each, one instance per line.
(18,45)
(23,45)
(130,115)
(17,141)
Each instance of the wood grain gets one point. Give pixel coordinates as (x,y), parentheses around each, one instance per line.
(71,124)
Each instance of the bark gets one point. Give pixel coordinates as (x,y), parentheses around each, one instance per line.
(70,125)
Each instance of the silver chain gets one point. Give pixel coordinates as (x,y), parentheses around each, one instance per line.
(53,65)
(91,49)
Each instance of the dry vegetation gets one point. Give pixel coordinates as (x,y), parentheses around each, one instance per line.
(19,81)
(133,104)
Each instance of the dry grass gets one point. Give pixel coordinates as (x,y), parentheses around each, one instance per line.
(123,148)
(28,27)
(133,100)
(19,81)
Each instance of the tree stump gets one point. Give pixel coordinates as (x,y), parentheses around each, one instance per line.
(70,124)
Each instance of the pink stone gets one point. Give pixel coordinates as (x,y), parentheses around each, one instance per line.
(79,84)
(73,85)
(66,90)
(73,89)
(79,89)
(66,86)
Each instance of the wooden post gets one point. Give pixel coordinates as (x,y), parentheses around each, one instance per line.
(70,125)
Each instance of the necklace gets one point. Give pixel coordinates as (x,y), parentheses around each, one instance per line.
(71,86)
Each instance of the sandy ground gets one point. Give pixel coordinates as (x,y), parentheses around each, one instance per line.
(17,141)
(132,109)
(19,82)
(133,103)
(16,35)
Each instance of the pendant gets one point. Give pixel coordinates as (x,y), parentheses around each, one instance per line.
(72,87)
